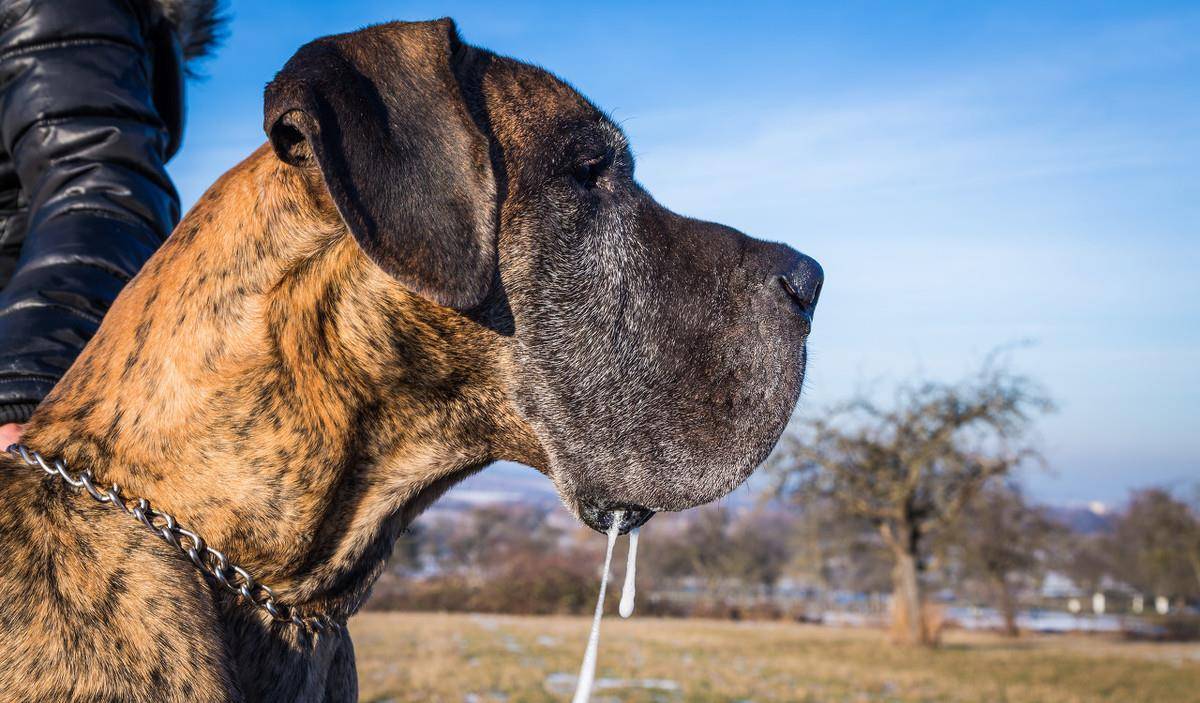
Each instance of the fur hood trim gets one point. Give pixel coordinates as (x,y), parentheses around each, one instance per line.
(199,24)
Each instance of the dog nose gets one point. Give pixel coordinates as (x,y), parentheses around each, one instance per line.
(803,283)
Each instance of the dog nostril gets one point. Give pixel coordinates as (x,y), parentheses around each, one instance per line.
(803,283)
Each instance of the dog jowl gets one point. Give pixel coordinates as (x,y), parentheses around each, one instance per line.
(441,259)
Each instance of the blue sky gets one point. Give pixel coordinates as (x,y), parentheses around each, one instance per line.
(969,176)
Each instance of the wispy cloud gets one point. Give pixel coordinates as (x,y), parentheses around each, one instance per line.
(1080,109)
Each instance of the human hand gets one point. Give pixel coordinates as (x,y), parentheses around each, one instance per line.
(10,434)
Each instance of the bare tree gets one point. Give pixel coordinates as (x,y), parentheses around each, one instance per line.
(1156,543)
(760,549)
(1085,558)
(909,468)
(1001,539)
(838,551)
(700,551)
(732,556)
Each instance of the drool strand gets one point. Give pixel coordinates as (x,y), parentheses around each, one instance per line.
(587,672)
(627,593)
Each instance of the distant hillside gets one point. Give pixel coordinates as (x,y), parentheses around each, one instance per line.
(502,482)
(507,482)
(1088,520)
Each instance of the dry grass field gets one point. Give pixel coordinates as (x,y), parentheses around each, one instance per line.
(478,658)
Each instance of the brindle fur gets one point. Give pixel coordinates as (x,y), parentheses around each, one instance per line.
(276,384)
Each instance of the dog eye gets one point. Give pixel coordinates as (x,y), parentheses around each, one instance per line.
(586,173)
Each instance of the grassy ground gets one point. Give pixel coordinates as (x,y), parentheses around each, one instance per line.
(478,658)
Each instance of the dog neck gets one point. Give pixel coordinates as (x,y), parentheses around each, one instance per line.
(263,381)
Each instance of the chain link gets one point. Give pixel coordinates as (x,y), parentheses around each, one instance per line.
(208,560)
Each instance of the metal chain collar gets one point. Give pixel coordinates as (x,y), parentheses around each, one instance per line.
(210,561)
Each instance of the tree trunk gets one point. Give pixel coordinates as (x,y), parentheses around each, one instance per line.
(908,600)
(1008,605)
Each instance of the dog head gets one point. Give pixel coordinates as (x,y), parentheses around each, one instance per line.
(655,358)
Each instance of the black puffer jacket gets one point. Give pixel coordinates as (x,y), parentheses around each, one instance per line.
(91,108)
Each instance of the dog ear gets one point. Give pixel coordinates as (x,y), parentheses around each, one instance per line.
(381,114)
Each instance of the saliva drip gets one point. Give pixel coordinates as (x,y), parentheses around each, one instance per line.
(587,672)
(627,593)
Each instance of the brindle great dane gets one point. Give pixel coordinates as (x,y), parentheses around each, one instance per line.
(440,260)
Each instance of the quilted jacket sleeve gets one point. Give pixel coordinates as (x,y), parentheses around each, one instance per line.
(90,111)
